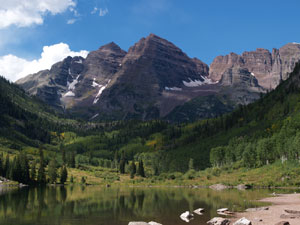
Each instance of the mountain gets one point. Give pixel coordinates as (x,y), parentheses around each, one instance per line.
(156,79)
(146,82)
(268,68)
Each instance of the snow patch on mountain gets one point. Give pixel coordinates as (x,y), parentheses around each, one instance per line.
(197,83)
(95,84)
(102,88)
(80,61)
(93,117)
(72,85)
(69,94)
(173,89)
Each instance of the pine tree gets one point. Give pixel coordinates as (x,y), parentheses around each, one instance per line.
(33,171)
(12,170)
(72,179)
(1,164)
(141,170)
(24,166)
(6,167)
(122,166)
(71,160)
(156,170)
(63,152)
(132,169)
(52,171)
(41,178)
(191,164)
(122,163)
(83,180)
(63,174)
(116,159)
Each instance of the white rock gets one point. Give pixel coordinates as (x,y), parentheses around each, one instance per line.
(187,216)
(243,221)
(222,210)
(218,221)
(154,223)
(138,223)
(199,211)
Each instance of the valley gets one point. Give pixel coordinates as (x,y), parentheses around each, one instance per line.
(149,112)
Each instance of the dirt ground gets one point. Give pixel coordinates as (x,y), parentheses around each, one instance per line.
(278,205)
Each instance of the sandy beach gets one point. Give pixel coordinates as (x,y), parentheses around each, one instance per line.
(278,205)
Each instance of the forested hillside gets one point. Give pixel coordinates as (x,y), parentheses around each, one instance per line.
(252,136)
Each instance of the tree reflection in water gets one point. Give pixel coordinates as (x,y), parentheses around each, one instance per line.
(117,206)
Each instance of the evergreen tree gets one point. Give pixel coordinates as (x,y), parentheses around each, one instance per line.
(63,174)
(116,160)
(12,170)
(63,152)
(52,171)
(33,171)
(24,166)
(141,170)
(71,161)
(41,178)
(122,163)
(191,164)
(1,164)
(122,166)
(132,169)
(6,167)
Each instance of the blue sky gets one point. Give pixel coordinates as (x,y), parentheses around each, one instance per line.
(202,29)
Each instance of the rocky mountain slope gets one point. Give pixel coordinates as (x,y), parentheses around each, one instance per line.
(155,79)
(268,68)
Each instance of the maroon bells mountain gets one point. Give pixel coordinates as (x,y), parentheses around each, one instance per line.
(268,68)
(156,79)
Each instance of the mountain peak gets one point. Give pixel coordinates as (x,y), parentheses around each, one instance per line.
(153,36)
(112,46)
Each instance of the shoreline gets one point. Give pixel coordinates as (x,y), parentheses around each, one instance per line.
(277,207)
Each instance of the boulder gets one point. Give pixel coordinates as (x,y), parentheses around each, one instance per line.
(293,216)
(199,211)
(187,216)
(218,221)
(292,211)
(138,223)
(154,223)
(243,186)
(257,209)
(219,187)
(283,223)
(243,221)
(222,210)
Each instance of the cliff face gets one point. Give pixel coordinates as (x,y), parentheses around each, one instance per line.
(152,70)
(268,68)
(154,78)
(147,82)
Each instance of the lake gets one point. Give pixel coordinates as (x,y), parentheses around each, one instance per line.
(97,205)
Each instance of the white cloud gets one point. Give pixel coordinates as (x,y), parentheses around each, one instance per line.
(14,68)
(23,13)
(94,10)
(71,21)
(103,12)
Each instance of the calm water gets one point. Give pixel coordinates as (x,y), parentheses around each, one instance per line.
(93,205)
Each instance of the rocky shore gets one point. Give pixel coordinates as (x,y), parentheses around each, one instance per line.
(284,210)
